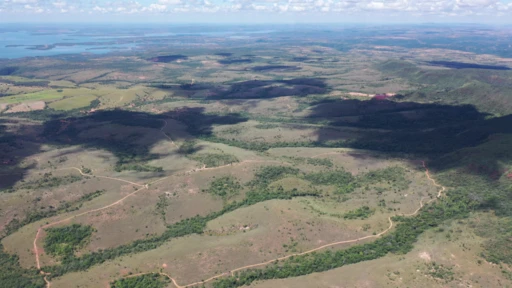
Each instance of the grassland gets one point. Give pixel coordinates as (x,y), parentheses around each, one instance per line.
(73,102)
(458,252)
(197,166)
(43,95)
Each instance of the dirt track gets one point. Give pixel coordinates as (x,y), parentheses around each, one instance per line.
(439,194)
(146,186)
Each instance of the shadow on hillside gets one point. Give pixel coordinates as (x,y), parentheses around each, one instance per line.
(384,114)
(262,89)
(229,61)
(198,122)
(128,135)
(422,130)
(462,65)
(251,89)
(13,149)
(167,58)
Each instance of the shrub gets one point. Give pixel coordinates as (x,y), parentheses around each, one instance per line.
(225,187)
(64,241)
(361,213)
(144,281)
(214,160)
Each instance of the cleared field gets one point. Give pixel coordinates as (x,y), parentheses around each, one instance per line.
(16,80)
(16,204)
(352,160)
(284,133)
(299,227)
(254,234)
(198,257)
(47,95)
(448,256)
(27,107)
(72,103)
(10,90)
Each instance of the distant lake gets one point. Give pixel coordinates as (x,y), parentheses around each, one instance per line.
(15,44)
(32,43)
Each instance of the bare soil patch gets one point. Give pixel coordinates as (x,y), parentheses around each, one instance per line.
(26,107)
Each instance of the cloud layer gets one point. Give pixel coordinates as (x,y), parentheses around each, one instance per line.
(409,8)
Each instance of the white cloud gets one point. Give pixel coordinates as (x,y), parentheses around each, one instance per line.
(157,7)
(24,1)
(169,2)
(99,9)
(59,4)
(421,8)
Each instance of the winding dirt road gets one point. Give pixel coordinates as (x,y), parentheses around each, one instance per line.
(98,176)
(143,186)
(146,186)
(439,194)
(232,272)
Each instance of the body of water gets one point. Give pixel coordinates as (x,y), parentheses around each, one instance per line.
(19,42)
(16,44)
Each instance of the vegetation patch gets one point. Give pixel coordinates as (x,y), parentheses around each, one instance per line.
(320,162)
(214,160)
(395,176)
(269,174)
(507,274)
(36,215)
(144,281)
(311,161)
(65,241)
(161,206)
(73,103)
(498,247)
(50,181)
(225,187)
(360,213)
(290,183)
(440,272)
(339,178)
(13,275)
(188,147)
(137,167)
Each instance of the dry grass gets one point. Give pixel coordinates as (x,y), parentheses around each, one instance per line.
(17,204)
(26,107)
(460,252)
(248,235)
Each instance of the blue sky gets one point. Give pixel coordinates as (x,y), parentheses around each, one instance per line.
(260,11)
